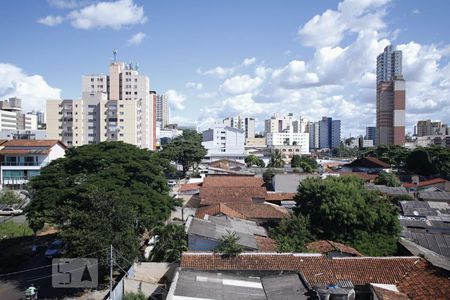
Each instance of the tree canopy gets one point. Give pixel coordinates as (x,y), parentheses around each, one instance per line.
(185,150)
(228,245)
(308,164)
(388,179)
(253,160)
(101,195)
(9,197)
(276,159)
(341,209)
(292,234)
(171,242)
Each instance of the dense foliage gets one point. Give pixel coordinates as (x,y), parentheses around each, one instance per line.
(341,209)
(9,198)
(388,179)
(186,150)
(292,234)
(101,195)
(269,173)
(228,245)
(253,160)
(276,159)
(171,242)
(308,164)
(429,161)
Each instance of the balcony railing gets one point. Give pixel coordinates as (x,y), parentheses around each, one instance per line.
(8,163)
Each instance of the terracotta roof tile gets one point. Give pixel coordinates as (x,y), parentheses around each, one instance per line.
(233,181)
(425,183)
(363,175)
(31,143)
(266,244)
(280,196)
(190,187)
(384,294)
(413,275)
(226,194)
(244,210)
(325,246)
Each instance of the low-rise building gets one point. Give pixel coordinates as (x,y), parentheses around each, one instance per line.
(222,141)
(288,183)
(23,159)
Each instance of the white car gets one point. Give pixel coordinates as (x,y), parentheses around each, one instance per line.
(9,211)
(171,182)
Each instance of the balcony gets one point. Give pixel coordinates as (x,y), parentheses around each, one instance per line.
(11,163)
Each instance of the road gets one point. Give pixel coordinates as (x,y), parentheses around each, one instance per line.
(17,219)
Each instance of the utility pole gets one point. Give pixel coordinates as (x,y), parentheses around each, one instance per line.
(110,272)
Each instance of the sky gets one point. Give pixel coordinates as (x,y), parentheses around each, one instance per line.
(216,59)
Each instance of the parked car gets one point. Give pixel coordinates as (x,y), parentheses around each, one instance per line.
(55,249)
(171,182)
(9,211)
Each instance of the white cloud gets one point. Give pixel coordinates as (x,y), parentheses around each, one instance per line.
(241,84)
(416,11)
(51,20)
(108,14)
(207,95)
(295,75)
(176,100)
(62,4)
(249,61)
(32,89)
(194,85)
(136,39)
(219,72)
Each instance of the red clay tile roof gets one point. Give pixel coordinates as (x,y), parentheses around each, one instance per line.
(233,181)
(279,196)
(210,195)
(425,183)
(32,143)
(413,275)
(266,244)
(384,294)
(24,151)
(369,162)
(363,175)
(190,187)
(325,246)
(244,211)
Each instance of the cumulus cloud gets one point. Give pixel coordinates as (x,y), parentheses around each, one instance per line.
(219,72)
(241,84)
(249,61)
(136,39)
(63,4)
(108,14)
(32,89)
(51,20)
(176,100)
(194,85)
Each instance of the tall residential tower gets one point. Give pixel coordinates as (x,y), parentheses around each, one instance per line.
(390,98)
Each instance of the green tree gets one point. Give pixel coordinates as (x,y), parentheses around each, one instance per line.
(388,179)
(341,209)
(420,161)
(253,160)
(171,242)
(228,245)
(276,159)
(186,150)
(9,197)
(292,234)
(135,296)
(101,195)
(308,164)
(268,174)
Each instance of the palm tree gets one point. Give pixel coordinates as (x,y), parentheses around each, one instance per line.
(276,159)
(170,243)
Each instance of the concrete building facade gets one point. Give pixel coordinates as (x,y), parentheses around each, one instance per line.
(162,110)
(329,133)
(114,107)
(224,141)
(428,127)
(12,117)
(244,123)
(390,116)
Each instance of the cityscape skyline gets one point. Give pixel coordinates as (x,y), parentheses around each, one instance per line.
(299,73)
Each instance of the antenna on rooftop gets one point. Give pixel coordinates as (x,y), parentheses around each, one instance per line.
(115,55)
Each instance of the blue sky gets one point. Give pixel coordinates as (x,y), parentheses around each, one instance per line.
(221,58)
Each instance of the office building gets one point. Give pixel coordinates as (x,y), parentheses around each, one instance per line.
(12,118)
(390,116)
(313,130)
(162,110)
(329,133)
(428,127)
(114,107)
(244,123)
(371,133)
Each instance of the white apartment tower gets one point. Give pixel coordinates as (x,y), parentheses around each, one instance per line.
(114,107)
(244,123)
(287,131)
(162,110)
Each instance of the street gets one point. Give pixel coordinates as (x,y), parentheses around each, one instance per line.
(21,219)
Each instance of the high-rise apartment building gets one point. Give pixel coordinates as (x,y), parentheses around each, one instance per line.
(162,110)
(329,133)
(288,131)
(313,130)
(390,98)
(40,117)
(114,107)
(12,118)
(244,123)
(371,133)
(428,127)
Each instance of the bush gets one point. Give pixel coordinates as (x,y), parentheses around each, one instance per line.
(10,198)
(228,245)
(135,296)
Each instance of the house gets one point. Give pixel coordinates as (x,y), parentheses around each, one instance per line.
(288,183)
(258,212)
(190,188)
(438,183)
(23,159)
(387,190)
(332,249)
(232,189)
(368,164)
(204,234)
(410,277)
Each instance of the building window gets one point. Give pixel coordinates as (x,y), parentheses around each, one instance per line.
(92,79)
